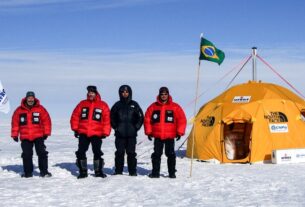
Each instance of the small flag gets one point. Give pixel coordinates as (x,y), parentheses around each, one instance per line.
(209,52)
(4,102)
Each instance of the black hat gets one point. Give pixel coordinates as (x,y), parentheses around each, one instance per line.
(163,89)
(92,89)
(30,93)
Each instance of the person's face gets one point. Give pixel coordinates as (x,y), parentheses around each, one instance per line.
(125,94)
(91,95)
(164,97)
(30,101)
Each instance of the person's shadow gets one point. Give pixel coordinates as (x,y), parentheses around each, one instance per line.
(69,166)
(18,169)
(13,168)
(140,170)
(180,153)
(73,169)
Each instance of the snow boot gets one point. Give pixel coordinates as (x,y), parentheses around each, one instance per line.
(119,164)
(152,175)
(155,173)
(45,174)
(98,168)
(171,165)
(27,175)
(43,166)
(172,175)
(132,165)
(133,174)
(83,170)
(27,167)
(117,173)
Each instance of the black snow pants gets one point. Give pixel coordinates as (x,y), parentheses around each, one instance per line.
(169,152)
(27,156)
(83,146)
(127,145)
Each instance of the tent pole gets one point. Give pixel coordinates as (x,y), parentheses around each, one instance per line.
(194,124)
(254,72)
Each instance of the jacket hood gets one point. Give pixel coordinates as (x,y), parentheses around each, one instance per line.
(123,88)
(23,103)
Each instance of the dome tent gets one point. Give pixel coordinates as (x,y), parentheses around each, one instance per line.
(246,122)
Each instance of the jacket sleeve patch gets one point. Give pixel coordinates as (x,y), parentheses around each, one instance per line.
(155,117)
(169,116)
(84,113)
(97,114)
(35,118)
(23,119)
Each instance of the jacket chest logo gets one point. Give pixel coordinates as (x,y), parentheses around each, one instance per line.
(97,114)
(22,119)
(84,113)
(155,117)
(169,116)
(35,117)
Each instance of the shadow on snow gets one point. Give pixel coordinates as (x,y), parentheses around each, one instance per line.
(18,169)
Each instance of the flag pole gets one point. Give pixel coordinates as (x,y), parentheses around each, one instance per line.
(195,110)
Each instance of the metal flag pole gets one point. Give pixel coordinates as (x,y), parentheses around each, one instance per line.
(195,110)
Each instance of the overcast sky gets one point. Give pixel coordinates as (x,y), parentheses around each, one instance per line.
(58,47)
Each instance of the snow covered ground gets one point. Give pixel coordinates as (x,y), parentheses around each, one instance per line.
(211,184)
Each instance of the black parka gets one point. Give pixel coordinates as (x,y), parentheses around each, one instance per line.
(126,115)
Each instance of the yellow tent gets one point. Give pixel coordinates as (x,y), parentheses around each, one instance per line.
(246,122)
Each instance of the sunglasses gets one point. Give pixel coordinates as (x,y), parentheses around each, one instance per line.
(164,94)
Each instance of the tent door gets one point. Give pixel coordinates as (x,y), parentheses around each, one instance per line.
(237,138)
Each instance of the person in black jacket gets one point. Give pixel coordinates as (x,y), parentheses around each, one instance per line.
(126,119)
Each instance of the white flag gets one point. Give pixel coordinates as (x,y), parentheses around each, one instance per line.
(4,102)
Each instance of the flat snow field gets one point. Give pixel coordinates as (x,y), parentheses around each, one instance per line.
(210,184)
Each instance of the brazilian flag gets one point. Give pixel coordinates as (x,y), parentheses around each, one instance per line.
(209,52)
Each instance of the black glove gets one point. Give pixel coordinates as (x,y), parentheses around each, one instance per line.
(103,137)
(178,137)
(15,139)
(149,137)
(76,135)
(45,137)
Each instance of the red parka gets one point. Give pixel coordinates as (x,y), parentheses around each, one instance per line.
(164,120)
(31,123)
(91,118)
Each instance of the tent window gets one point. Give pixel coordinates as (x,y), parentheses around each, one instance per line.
(237,140)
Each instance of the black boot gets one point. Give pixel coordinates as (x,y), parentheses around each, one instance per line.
(43,166)
(117,173)
(98,168)
(132,165)
(83,170)
(46,174)
(171,165)
(27,166)
(119,164)
(155,173)
(25,175)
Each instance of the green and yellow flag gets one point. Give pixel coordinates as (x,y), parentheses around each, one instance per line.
(209,52)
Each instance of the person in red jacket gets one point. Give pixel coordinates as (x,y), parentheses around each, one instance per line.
(90,122)
(164,120)
(32,124)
